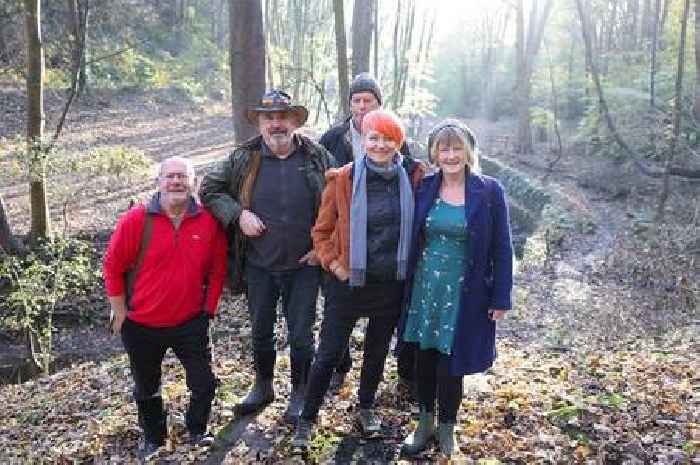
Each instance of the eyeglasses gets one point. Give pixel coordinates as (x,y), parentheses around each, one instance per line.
(176,176)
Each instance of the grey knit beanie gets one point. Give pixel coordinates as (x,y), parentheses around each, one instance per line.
(451,123)
(365,82)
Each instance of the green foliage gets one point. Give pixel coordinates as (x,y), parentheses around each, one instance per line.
(117,160)
(33,285)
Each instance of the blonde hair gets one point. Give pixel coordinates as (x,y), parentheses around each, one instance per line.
(450,136)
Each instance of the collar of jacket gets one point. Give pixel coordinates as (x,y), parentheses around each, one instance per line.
(474,192)
(154,208)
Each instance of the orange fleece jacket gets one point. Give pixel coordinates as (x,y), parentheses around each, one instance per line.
(331,233)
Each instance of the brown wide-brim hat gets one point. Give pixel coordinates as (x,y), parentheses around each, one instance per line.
(276,101)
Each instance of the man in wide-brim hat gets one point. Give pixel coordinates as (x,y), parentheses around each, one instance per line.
(266,194)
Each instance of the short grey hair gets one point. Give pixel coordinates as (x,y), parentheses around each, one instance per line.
(189,166)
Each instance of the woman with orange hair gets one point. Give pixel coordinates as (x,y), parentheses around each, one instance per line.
(362,237)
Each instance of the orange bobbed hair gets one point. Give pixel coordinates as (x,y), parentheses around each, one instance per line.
(385,122)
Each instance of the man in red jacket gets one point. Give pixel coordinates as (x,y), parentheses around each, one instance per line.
(164,272)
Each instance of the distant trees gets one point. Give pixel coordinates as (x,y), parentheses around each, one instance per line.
(247,59)
(528,41)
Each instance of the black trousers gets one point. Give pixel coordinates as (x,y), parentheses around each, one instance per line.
(146,348)
(434,380)
(406,362)
(380,303)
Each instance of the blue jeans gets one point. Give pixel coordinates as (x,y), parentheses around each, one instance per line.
(298,290)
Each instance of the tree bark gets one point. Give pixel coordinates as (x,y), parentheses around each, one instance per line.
(8,243)
(361,35)
(247,60)
(40,225)
(342,54)
(84,13)
(73,27)
(696,103)
(677,109)
(375,35)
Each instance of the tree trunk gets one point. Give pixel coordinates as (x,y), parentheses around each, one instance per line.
(375,35)
(696,103)
(247,59)
(677,109)
(8,243)
(361,35)
(528,46)
(84,13)
(342,54)
(40,226)
(73,27)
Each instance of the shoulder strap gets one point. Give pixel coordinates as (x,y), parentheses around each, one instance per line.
(133,272)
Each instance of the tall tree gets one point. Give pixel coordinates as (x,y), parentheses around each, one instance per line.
(361,35)
(40,227)
(342,54)
(8,243)
(677,109)
(247,60)
(72,29)
(696,103)
(528,45)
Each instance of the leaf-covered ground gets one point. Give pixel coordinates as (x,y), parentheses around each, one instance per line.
(535,406)
(592,368)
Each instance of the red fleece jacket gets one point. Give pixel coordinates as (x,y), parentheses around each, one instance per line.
(183,270)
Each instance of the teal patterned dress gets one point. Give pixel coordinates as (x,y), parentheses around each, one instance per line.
(437,284)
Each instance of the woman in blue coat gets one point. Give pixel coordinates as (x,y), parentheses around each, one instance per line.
(460,275)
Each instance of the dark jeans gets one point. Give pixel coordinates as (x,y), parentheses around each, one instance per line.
(298,290)
(381,304)
(433,376)
(146,348)
(345,364)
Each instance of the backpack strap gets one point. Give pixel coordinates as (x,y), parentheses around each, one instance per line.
(131,275)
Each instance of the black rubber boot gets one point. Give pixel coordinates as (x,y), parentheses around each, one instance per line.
(152,420)
(300,373)
(296,403)
(262,392)
(258,397)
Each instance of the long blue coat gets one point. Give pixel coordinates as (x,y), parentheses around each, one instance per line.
(488,274)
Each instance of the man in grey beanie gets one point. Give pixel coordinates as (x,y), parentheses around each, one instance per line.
(343,141)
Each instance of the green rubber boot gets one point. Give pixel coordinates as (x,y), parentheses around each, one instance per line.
(418,441)
(446,438)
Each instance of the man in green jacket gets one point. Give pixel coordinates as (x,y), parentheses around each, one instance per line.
(266,194)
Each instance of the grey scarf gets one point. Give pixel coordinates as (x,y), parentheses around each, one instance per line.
(358,217)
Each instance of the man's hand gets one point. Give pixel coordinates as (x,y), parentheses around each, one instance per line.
(496,314)
(250,224)
(116,320)
(117,313)
(309,258)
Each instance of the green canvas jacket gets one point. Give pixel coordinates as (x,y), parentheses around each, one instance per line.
(226,191)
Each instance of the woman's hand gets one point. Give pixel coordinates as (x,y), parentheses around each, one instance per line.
(496,314)
(339,271)
(309,258)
